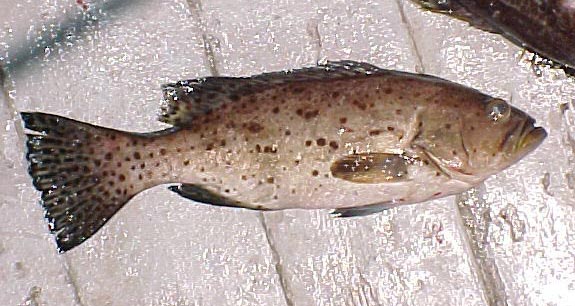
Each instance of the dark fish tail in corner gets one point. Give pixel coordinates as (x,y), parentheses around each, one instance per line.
(72,164)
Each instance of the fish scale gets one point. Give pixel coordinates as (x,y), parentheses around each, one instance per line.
(345,135)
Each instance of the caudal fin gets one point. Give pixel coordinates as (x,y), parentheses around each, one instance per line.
(75,167)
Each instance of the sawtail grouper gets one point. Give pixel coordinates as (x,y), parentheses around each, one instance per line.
(344,135)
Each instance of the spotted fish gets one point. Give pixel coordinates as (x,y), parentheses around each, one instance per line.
(345,135)
(546,27)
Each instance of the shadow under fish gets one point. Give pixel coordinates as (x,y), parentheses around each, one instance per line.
(345,135)
(546,28)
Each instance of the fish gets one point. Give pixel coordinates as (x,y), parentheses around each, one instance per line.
(344,135)
(545,27)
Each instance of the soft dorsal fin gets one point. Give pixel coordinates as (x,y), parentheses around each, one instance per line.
(185,100)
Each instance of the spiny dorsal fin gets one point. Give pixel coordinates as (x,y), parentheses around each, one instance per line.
(185,100)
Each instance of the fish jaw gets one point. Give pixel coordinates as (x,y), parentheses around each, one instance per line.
(530,140)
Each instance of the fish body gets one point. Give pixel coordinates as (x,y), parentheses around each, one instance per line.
(346,136)
(546,27)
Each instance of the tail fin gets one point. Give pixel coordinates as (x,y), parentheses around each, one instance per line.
(75,167)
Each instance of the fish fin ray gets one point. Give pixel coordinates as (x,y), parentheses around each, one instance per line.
(186,100)
(456,10)
(76,196)
(371,168)
(363,210)
(202,195)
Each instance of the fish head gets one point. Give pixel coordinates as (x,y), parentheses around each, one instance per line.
(481,137)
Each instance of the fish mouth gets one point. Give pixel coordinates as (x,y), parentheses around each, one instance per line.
(530,138)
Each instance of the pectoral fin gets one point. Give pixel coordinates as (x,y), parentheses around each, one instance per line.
(371,168)
(202,195)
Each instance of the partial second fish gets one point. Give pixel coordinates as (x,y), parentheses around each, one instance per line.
(544,27)
(345,135)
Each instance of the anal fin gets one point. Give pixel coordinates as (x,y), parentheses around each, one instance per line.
(363,210)
(202,195)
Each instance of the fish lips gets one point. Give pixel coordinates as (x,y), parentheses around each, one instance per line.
(530,138)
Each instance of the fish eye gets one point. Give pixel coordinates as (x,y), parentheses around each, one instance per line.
(498,110)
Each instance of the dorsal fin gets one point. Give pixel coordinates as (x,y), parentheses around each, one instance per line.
(185,100)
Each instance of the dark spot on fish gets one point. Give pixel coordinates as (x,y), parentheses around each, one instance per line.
(137,155)
(118,191)
(420,124)
(454,152)
(321,142)
(121,178)
(140,177)
(426,162)
(258,148)
(119,164)
(299,112)
(97,162)
(398,111)
(333,145)
(244,178)
(390,128)
(311,114)
(223,143)
(276,110)
(447,126)
(157,164)
(359,104)
(254,127)
(297,89)
(270,180)
(287,133)
(108,156)
(186,162)
(374,132)
(162,151)
(437,194)
(209,146)
(177,150)
(297,162)
(472,128)
(127,159)
(342,120)
(437,174)
(151,155)
(308,143)
(270,149)
(315,173)
(202,169)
